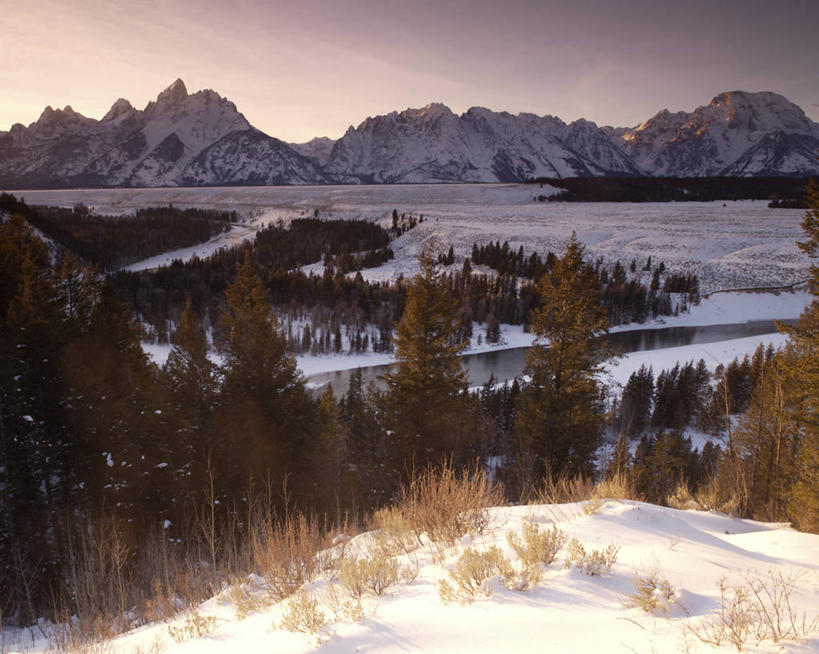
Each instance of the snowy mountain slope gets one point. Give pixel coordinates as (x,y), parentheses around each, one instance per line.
(202,139)
(318,148)
(175,140)
(249,157)
(568,610)
(433,144)
(778,153)
(721,138)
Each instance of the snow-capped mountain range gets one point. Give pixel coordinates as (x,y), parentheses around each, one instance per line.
(198,139)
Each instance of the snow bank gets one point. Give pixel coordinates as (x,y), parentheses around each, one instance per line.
(568,611)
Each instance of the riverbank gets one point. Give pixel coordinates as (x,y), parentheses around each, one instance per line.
(719,309)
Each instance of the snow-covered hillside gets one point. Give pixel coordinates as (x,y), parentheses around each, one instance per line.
(201,139)
(678,558)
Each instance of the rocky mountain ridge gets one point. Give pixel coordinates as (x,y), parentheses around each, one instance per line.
(201,139)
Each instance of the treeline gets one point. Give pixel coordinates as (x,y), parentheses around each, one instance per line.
(308,240)
(625,296)
(115,241)
(97,443)
(328,302)
(670,189)
(332,312)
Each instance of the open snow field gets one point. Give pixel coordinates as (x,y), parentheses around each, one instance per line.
(740,245)
(568,611)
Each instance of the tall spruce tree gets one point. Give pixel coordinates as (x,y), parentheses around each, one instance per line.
(265,413)
(118,413)
(427,410)
(561,413)
(804,500)
(193,385)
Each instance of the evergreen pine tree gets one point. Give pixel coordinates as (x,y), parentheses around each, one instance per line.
(561,409)
(265,414)
(425,399)
(804,500)
(193,386)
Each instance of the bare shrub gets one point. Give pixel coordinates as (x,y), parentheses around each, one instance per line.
(771,599)
(652,593)
(592,506)
(471,573)
(343,608)
(395,533)
(535,549)
(681,498)
(616,487)
(193,626)
(734,621)
(445,505)
(286,553)
(373,574)
(760,608)
(595,563)
(562,490)
(98,580)
(303,613)
(74,636)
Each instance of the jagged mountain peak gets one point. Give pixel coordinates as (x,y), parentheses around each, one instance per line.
(431,111)
(318,148)
(174,94)
(120,108)
(64,117)
(202,138)
(769,98)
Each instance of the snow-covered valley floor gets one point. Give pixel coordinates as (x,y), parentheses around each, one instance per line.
(729,245)
(567,611)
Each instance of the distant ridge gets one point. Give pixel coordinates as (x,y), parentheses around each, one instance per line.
(201,139)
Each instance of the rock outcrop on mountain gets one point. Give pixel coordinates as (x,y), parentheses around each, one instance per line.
(197,139)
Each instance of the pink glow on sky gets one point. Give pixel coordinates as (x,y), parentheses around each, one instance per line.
(311,68)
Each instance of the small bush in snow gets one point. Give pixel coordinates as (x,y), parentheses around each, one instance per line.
(303,613)
(193,626)
(759,609)
(594,562)
(535,549)
(72,636)
(593,506)
(652,593)
(395,533)
(471,574)
(372,574)
(287,554)
(681,498)
(246,601)
(616,487)
(445,505)
(343,608)
(734,622)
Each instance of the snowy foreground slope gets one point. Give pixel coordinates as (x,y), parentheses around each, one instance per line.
(567,611)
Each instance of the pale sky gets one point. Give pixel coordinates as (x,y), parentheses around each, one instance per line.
(311,68)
